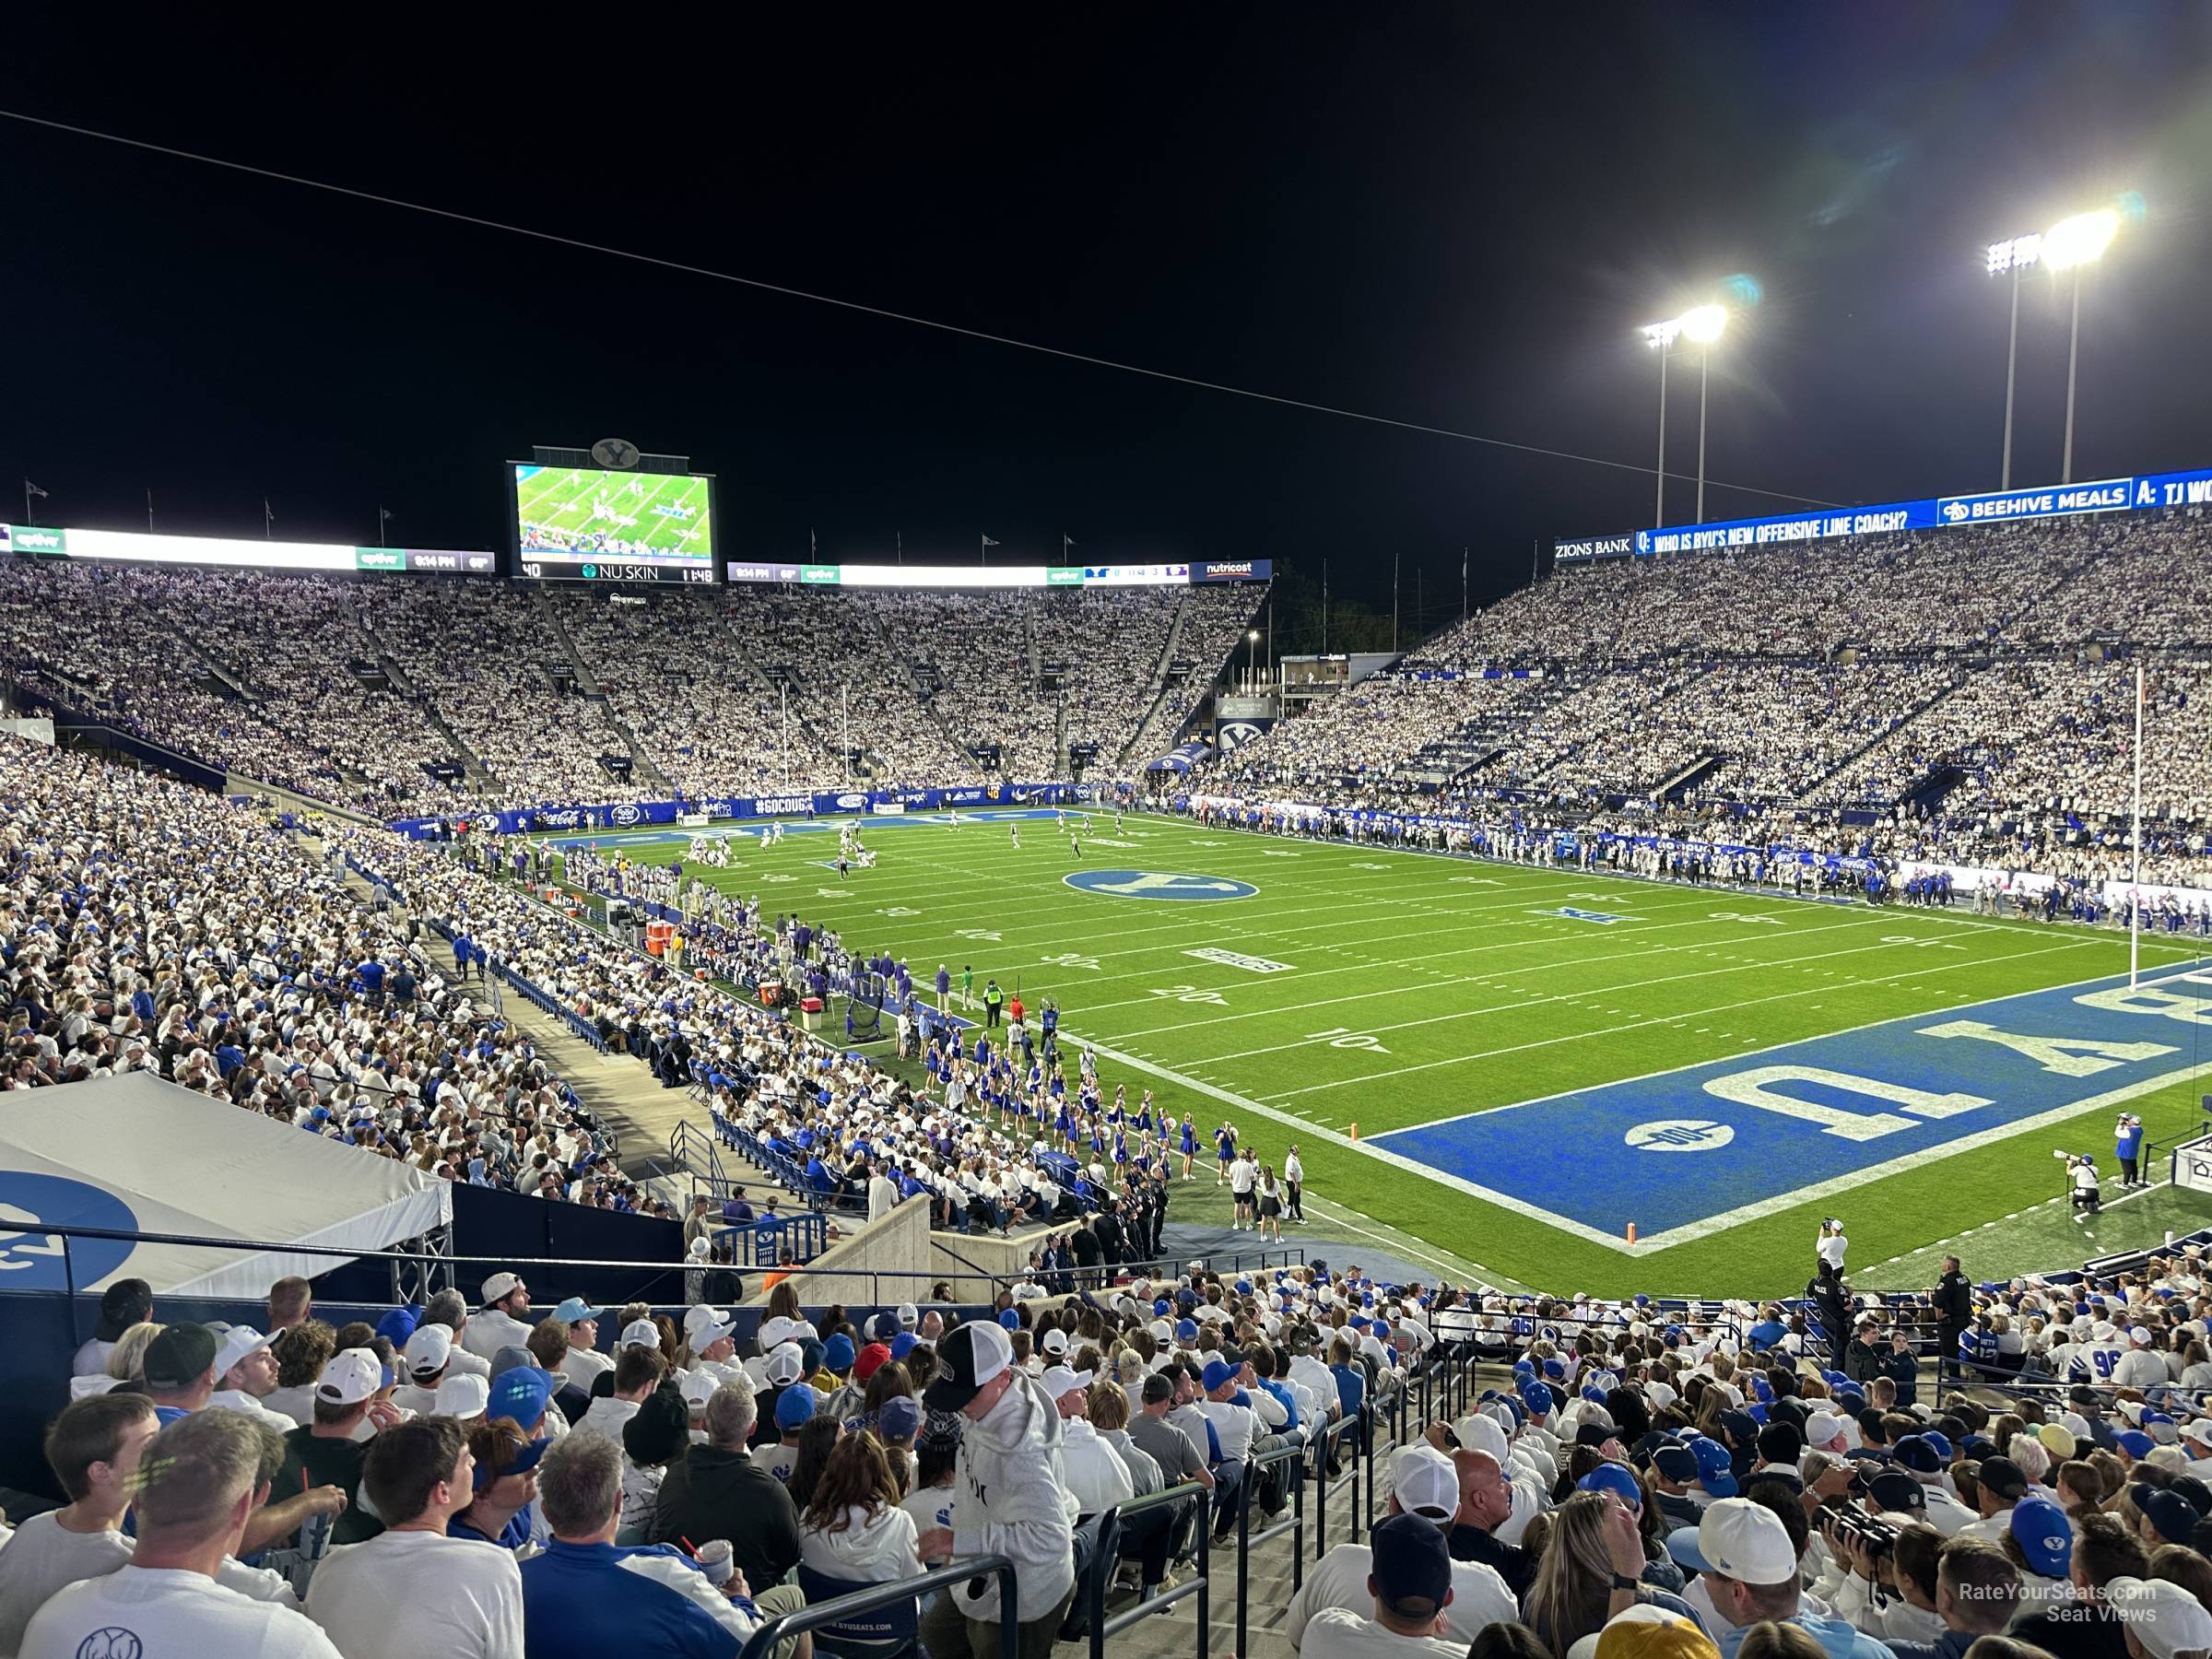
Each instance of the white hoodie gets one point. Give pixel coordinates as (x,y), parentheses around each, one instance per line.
(870,1550)
(1010,1498)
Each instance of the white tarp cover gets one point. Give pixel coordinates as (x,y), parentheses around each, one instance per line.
(136,1153)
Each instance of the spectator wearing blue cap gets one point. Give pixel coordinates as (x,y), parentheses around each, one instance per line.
(1999,1483)
(2159,1514)
(2089,1626)
(1916,1455)
(583,1363)
(1674,1473)
(2039,1542)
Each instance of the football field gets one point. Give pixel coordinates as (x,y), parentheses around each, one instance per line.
(1521,1064)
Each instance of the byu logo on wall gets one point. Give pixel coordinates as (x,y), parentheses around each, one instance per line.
(627,813)
(1157,884)
(32,1258)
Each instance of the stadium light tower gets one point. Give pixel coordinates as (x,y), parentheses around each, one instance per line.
(1701,325)
(2069,245)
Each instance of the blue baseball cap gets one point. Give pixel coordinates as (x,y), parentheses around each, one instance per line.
(1617,1479)
(1916,1453)
(521,1393)
(2133,1441)
(1010,1320)
(2170,1514)
(1678,1464)
(1216,1374)
(399,1324)
(2041,1529)
(899,1416)
(905,1343)
(1537,1398)
(796,1407)
(837,1353)
(574,1309)
(1186,1330)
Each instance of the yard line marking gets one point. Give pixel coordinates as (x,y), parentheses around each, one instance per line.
(1752,1002)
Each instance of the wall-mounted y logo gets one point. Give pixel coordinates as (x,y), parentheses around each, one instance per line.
(32,1258)
(1157,884)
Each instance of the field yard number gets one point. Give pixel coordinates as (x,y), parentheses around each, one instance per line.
(899,910)
(1070,959)
(1340,1037)
(1740,916)
(831,892)
(975,933)
(1365,864)
(1273,853)
(1106,840)
(1473,880)
(1920,944)
(773,876)
(1191,994)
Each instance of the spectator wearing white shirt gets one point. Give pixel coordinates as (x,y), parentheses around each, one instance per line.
(411,1590)
(245,1375)
(125,1304)
(1423,1483)
(199,1484)
(584,1364)
(502,1320)
(1410,1584)
(1095,1472)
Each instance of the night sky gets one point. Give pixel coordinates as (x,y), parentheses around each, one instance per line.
(1444,215)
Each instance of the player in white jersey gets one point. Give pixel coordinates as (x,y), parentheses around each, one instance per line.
(1013,831)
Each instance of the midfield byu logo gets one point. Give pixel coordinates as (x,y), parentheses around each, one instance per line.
(1681,1135)
(32,1258)
(1155,883)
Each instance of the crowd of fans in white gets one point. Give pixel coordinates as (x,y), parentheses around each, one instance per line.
(151,927)
(687,676)
(1806,680)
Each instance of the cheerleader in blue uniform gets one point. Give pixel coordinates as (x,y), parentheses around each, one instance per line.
(1190,1147)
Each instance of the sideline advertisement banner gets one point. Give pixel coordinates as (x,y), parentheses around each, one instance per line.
(636,815)
(2137,492)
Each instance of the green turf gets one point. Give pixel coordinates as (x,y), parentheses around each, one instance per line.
(1419,987)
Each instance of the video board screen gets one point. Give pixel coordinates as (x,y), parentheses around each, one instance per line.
(579,523)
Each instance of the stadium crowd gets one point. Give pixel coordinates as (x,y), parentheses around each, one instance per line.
(1633,1480)
(148,926)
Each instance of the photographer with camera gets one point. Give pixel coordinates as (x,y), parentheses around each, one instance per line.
(1888,1588)
(2081,1170)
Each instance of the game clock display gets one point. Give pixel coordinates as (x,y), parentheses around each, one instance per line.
(580,523)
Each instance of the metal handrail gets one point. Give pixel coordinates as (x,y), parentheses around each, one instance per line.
(1108,1553)
(1246,1537)
(784,1626)
(1363,1450)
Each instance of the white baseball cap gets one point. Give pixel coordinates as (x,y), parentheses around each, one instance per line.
(2165,1618)
(775,1333)
(784,1364)
(1821,1428)
(238,1342)
(350,1377)
(1425,1483)
(428,1350)
(2140,1336)
(704,1325)
(1476,1432)
(640,1332)
(699,1386)
(1745,1541)
(463,1395)
(1061,1378)
(500,1285)
(908,1316)
(1056,1341)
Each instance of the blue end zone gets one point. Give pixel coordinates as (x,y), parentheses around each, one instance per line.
(1689,1152)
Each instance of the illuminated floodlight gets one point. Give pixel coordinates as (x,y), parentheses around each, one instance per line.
(2014,253)
(1662,334)
(1704,323)
(2081,239)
